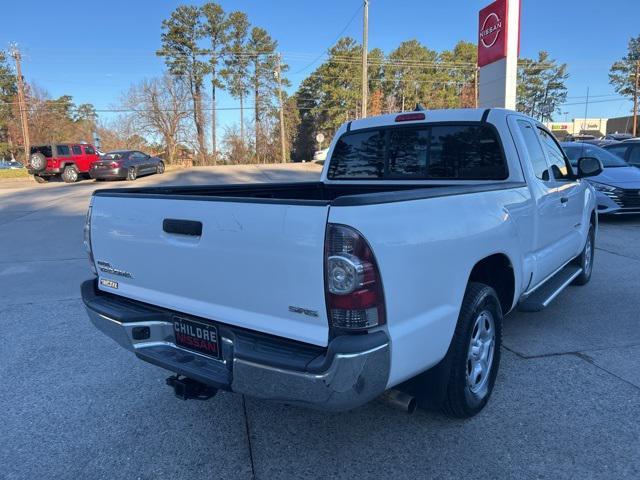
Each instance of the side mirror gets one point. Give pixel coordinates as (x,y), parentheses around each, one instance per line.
(589,167)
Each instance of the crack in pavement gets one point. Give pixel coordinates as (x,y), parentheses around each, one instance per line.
(618,254)
(582,356)
(589,360)
(248,431)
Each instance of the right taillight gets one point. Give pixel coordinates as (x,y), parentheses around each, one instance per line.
(114,165)
(354,294)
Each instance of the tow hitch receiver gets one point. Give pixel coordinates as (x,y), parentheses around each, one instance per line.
(187,388)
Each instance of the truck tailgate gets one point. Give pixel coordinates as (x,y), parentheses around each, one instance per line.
(255,265)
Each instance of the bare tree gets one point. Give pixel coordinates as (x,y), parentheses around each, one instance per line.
(160,109)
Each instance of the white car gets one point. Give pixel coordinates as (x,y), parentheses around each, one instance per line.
(320,155)
(392,273)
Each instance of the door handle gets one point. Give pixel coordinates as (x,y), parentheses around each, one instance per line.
(182,227)
(564,199)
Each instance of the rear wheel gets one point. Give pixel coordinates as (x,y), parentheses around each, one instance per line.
(70,174)
(132,174)
(160,168)
(40,179)
(585,260)
(474,353)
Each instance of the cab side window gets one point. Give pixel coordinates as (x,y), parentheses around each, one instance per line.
(559,163)
(634,156)
(619,150)
(536,154)
(88,149)
(76,150)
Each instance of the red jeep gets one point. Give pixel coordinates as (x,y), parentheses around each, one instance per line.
(69,160)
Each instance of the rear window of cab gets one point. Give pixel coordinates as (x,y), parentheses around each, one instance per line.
(420,152)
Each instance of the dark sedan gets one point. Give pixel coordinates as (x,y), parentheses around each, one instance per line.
(629,151)
(125,164)
(617,187)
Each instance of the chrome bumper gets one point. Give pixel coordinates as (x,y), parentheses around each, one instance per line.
(350,372)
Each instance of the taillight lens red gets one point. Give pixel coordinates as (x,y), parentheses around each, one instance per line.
(355,299)
(114,164)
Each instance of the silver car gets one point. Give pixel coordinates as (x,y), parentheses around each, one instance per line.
(617,187)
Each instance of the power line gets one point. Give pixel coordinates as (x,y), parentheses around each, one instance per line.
(334,41)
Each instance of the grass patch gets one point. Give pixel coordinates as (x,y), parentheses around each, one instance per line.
(18,173)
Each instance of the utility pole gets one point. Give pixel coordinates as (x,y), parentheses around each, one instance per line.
(475,86)
(15,53)
(283,149)
(635,100)
(586,109)
(365,53)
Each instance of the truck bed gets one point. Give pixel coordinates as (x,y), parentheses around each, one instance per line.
(308,193)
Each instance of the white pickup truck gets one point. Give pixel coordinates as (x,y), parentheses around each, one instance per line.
(391,274)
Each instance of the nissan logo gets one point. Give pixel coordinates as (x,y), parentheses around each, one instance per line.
(490,31)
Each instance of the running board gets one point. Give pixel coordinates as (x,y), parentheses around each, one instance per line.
(545,294)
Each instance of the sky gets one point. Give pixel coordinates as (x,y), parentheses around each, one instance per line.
(94,51)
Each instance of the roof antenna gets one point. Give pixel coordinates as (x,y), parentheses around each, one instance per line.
(419,107)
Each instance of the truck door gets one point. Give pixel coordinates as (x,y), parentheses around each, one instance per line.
(570,193)
(548,247)
(77,157)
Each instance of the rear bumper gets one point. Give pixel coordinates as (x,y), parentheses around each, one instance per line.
(107,174)
(350,372)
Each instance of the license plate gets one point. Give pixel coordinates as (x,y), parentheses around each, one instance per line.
(197,336)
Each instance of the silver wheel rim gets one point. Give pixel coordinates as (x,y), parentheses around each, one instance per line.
(72,175)
(588,252)
(480,354)
(160,168)
(132,174)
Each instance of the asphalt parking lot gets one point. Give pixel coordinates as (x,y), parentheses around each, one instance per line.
(75,405)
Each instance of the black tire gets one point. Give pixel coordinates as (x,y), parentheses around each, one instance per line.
(40,179)
(37,162)
(160,168)
(70,174)
(462,399)
(585,259)
(132,174)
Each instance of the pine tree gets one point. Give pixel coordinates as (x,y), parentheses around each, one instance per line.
(410,69)
(216,29)
(8,92)
(181,34)
(262,53)
(237,62)
(541,86)
(622,74)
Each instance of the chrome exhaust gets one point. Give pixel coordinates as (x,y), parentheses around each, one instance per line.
(405,402)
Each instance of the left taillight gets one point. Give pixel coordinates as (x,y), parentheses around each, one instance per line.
(87,238)
(354,294)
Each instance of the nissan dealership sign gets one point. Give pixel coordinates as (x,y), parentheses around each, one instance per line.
(492,41)
(498,48)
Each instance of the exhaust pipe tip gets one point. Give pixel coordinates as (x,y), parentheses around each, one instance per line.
(405,402)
